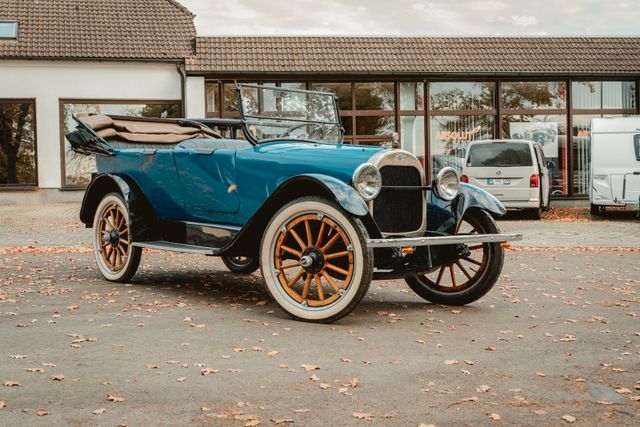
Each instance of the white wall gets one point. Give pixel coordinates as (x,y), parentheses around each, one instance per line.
(50,81)
(195,97)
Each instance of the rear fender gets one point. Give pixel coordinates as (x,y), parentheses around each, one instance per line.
(443,216)
(248,240)
(142,218)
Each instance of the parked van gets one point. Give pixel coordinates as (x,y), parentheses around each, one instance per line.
(513,170)
(615,163)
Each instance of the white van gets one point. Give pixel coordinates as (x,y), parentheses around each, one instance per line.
(513,170)
(615,163)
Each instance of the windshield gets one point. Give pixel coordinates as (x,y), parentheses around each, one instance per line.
(499,155)
(271,112)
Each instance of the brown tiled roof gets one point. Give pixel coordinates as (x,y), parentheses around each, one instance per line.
(105,29)
(424,55)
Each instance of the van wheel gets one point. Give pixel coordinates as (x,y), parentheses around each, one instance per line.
(115,255)
(536,213)
(597,210)
(315,261)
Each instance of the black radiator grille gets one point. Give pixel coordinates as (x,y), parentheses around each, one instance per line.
(398,211)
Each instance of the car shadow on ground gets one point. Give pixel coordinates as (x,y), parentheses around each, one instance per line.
(222,288)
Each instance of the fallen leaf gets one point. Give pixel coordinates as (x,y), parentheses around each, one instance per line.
(152,367)
(325,386)
(494,416)
(451,362)
(483,388)
(205,409)
(310,367)
(38,370)
(362,416)
(301,411)
(282,421)
(181,379)
(353,383)
(18,356)
(314,377)
(48,365)
(251,423)
(623,390)
(469,362)
(208,371)
(238,350)
(469,399)
(569,418)
(2,405)
(541,374)
(42,412)
(345,360)
(490,348)
(99,411)
(58,377)
(115,399)
(11,384)
(273,353)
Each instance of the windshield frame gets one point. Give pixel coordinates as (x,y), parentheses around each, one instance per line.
(246,117)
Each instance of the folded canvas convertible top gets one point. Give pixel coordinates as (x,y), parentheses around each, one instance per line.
(150,131)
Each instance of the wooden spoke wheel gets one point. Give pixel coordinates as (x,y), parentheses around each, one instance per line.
(241,264)
(315,261)
(469,277)
(117,259)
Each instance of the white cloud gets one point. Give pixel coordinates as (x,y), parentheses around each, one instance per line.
(414,17)
(524,21)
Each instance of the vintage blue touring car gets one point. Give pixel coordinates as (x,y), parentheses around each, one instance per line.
(278,190)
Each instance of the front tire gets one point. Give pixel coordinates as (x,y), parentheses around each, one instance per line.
(116,257)
(315,261)
(481,268)
(241,264)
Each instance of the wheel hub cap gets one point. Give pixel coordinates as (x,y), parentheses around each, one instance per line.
(312,260)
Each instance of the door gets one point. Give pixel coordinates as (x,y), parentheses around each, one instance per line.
(208,181)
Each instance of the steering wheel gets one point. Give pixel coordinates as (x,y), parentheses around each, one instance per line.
(316,127)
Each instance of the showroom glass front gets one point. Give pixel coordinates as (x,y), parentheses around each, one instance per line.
(593,99)
(537,111)
(459,113)
(77,167)
(17,143)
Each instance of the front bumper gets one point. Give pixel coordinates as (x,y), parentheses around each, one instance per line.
(404,242)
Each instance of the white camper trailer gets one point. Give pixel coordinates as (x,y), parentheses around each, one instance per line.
(615,163)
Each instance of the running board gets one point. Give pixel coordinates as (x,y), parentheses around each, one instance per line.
(177,247)
(403,242)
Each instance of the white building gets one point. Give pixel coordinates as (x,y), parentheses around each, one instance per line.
(61,56)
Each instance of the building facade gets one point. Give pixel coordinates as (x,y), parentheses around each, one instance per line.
(438,93)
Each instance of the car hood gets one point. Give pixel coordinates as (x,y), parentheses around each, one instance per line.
(295,158)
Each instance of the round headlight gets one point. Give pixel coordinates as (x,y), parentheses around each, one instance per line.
(447,183)
(367,181)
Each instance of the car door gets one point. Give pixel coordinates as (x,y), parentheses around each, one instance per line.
(545,179)
(208,180)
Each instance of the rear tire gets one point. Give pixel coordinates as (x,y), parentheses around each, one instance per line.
(116,257)
(537,212)
(315,261)
(597,210)
(488,268)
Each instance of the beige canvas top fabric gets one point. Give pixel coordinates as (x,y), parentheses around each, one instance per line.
(150,132)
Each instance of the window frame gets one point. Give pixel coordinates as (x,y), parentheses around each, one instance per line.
(64,101)
(34,186)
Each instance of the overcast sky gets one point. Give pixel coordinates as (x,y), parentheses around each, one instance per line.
(416,17)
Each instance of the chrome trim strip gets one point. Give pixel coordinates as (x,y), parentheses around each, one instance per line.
(441,240)
(176,247)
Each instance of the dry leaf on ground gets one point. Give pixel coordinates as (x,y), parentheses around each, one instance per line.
(115,399)
(569,418)
(495,416)
(42,412)
(362,416)
(58,377)
(99,411)
(310,367)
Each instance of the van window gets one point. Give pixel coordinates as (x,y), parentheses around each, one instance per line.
(499,155)
(636,145)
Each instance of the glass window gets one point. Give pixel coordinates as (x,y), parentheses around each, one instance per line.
(8,29)
(342,91)
(499,155)
(211,95)
(375,125)
(533,95)
(451,135)
(601,95)
(412,134)
(17,143)
(78,167)
(550,132)
(230,98)
(462,95)
(375,96)
(411,96)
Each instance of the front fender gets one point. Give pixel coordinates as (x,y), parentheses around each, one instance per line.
(443,216)
(344,194)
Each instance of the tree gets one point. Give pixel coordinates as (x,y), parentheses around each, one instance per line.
(16,141)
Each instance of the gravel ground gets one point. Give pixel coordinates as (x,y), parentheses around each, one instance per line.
(556,342)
